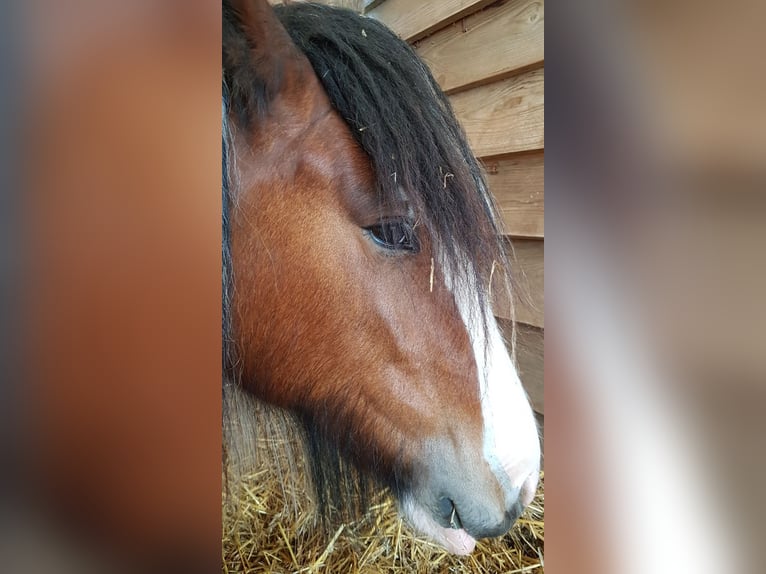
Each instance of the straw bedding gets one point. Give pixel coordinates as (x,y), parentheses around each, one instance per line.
(270,526)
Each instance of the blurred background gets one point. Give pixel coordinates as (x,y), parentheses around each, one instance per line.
(114,244)
(655,274)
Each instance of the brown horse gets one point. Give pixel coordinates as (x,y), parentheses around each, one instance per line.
(359,244)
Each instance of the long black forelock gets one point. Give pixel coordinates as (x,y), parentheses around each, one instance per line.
(404,122)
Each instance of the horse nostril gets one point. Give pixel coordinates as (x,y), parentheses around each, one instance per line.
(448,510)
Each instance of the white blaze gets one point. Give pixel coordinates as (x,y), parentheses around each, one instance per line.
(511,445)
(511,440)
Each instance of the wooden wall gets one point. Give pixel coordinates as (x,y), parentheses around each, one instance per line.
(489,58)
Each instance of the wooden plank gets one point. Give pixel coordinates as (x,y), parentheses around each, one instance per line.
(355,5)
(412,20)
(504,117)
(490,44)
(528,269)
(518,184)
(368,5)
(530,356)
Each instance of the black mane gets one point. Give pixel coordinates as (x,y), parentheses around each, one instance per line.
(404,122)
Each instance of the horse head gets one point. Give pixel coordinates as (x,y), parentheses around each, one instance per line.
(362,240)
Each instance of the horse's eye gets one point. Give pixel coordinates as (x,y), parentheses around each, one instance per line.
(395,235)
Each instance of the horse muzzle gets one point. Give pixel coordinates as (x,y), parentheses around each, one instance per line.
(460,501)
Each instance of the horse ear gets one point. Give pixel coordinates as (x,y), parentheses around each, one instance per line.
(258,57)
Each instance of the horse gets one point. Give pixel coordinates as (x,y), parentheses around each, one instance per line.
(359,245)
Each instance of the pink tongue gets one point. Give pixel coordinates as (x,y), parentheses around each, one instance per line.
(457,541)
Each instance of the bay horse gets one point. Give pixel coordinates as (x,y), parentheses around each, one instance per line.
(359,244)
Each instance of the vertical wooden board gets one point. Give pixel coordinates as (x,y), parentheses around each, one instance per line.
(530,356)
(412,20)
(528,261)
(504,117)
(503,37)
(518,183)
(530,353)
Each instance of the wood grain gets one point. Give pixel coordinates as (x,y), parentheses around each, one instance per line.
(530,355)
(485,46)
(413,19)
(528,261)
(504,117)
(518,184)
(368,5)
